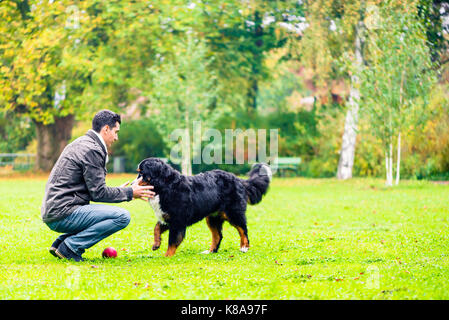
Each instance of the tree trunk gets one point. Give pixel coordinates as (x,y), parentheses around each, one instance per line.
(398,165)
(387,170)
(347,152)
(51,140)
(389,165)
(186,160)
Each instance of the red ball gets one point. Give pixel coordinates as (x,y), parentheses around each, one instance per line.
(109,252)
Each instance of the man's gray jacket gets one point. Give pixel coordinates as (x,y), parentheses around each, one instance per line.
(78,177)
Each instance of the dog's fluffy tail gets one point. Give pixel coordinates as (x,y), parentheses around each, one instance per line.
(257,184)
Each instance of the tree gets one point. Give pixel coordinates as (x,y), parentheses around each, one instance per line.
(45,66)
(239,35)
(333,46)
(186,89)
(397,78)
(67,59)
(347,153)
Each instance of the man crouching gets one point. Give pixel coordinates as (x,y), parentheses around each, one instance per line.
(77,178)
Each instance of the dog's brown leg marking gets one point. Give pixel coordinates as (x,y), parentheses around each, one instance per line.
(157,236)
(159,229)
(171,250)
(244,241)
(172,247)
(215,236)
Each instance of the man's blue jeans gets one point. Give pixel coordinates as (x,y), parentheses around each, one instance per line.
(90,224)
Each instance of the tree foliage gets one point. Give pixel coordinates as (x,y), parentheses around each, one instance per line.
(398,78)
(46,57)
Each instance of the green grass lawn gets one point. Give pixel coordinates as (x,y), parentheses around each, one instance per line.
(310,239)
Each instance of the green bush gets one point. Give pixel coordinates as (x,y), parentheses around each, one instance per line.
(15,132)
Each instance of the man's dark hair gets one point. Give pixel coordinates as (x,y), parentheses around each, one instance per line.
(105,117)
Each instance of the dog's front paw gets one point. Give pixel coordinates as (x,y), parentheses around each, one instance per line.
(155,246)
(244,249)
(205,252)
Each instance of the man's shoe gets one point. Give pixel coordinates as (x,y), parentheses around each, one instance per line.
(64,252)
(56,243)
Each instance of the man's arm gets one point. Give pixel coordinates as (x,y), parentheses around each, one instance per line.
(94,176)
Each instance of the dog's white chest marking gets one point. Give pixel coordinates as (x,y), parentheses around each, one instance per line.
(155,204)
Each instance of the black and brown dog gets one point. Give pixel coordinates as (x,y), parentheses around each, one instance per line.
(216,195)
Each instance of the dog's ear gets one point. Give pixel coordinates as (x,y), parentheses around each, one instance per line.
(158,167)
(164,169)
(153,168)
(147,170)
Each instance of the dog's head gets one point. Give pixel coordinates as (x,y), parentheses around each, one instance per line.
(153,171)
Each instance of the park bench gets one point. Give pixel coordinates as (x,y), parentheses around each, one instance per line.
(287,164)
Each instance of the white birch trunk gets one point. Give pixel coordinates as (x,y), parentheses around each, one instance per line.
(186,165)
(186,161)
(387,170)
(398,164)
(389,165)
(347,151)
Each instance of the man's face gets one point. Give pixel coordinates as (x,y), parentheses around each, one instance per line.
(110,135)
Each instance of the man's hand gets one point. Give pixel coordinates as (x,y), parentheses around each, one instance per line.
(141,192)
